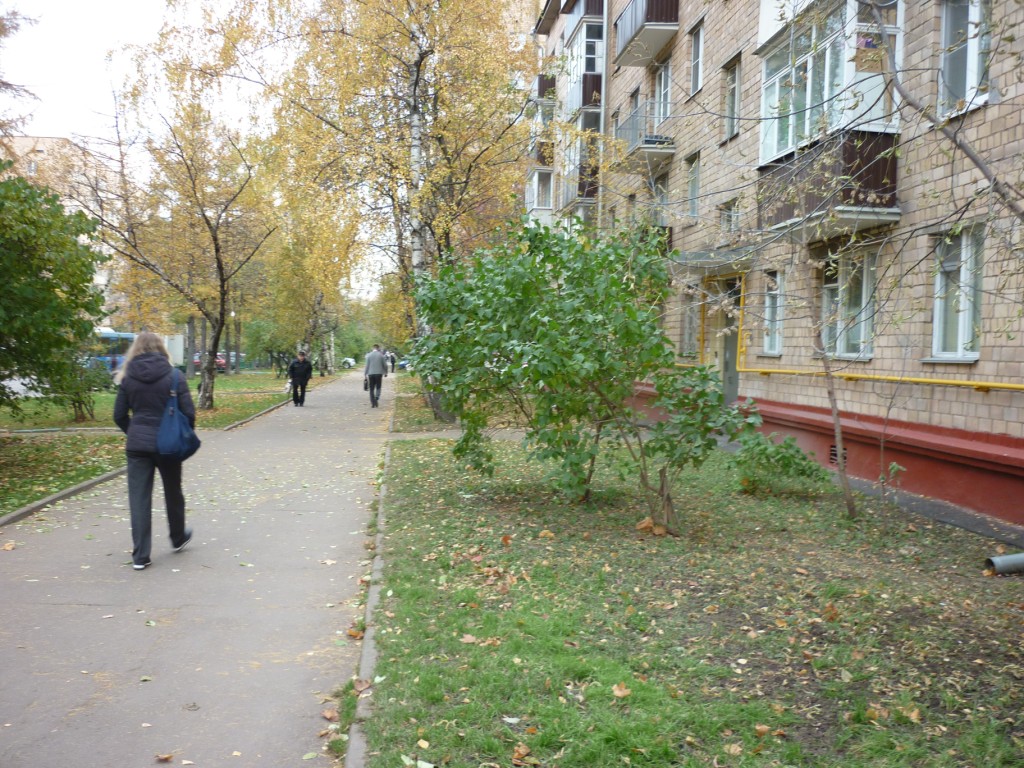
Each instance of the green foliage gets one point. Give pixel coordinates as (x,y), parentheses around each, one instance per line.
(768,466)
(49,306)
(553,329)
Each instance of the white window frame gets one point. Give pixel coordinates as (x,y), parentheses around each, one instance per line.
(732,98)
(802,80)
(848,306)
(966,51)
(689,323)
(956,314)
(693,185)
(773,313)
(544,197)
(696,58)
(660,209)
(663,92)
(729,217)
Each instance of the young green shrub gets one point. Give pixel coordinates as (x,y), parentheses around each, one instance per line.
(767,466)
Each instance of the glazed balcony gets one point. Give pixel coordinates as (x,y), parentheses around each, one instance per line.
(643,30)
(842,184)
(585,93)
(579,183)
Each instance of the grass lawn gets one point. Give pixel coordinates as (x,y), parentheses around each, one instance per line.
(36,465)
(518,629)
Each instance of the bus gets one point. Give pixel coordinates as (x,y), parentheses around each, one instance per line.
(111,347)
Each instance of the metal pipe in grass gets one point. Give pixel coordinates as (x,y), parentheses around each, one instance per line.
(1006,563)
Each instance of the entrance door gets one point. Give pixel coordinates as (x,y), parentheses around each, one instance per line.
(730,345)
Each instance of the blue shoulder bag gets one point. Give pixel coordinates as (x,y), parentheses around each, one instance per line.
(176,438)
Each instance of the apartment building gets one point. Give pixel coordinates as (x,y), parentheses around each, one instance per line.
(839,184)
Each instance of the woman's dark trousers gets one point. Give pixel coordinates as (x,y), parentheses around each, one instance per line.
(141,469)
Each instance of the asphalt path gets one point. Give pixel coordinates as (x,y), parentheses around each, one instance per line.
(223,654)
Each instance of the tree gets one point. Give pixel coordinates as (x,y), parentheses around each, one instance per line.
(555,329)
(49,305)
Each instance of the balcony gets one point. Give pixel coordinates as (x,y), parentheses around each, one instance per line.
(643,30)
(644,148)
(579,184)
(542,152)
(545,88)
(584,93)
(844,183)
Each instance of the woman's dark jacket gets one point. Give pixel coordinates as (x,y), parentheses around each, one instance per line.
(144,391)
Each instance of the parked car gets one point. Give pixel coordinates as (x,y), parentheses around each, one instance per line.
(221,362)
(347,362)
(405,364)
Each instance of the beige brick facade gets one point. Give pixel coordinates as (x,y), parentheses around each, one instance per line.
(926,348)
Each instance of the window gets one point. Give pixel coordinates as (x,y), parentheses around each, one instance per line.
(772,313)
(966,45)
(693,185)
(731,98)
(956,315)
(662,92)
(729,217)
(696,58)
(659,213)
(543,189)
(594,50)
(848,305)
(689,322)
(802,78)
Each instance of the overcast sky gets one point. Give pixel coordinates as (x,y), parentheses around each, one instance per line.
(62,60)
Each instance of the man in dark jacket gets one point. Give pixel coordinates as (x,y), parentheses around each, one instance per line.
(300,372)
(144,386)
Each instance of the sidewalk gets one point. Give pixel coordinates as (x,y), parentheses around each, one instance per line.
(223,654)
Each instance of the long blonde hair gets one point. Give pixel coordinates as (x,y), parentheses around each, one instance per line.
(145,342)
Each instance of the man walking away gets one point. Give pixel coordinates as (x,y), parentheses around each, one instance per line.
(300,372)
(374,372)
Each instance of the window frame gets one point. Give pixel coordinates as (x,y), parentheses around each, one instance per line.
(773,312)
(696,58)
(662,91)
(823,45)
(960,290)
(976,45)
(847,317)
(661,200)
(690,315)
(729,217)
(732,98)
(693,186)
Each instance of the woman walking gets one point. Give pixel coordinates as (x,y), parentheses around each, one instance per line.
(144,385)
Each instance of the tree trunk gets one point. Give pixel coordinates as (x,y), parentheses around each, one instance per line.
(844,479)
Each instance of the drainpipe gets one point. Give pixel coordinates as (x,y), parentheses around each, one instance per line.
(605,87)
(1006,563)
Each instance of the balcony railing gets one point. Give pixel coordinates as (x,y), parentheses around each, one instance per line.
(842,184)
(579,183)
(639,133)
(643,30)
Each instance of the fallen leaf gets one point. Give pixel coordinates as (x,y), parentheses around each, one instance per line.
(330,715)
(802,572)
(356,633)
(164,758)
(9,546)
(506,540)
(761,731)
(645,525)
(467,639)
(545,534)
(734,749)
(620,691)
(361,685)
(423,744)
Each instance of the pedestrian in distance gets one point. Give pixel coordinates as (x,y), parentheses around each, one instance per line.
(393,360)
(374,372)
(299,373)
(144,384)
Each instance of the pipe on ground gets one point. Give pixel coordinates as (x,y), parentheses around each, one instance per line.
(1006,563)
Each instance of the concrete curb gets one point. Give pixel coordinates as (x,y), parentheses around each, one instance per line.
(355,754)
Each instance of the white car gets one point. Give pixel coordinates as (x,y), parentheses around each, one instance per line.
(347,362)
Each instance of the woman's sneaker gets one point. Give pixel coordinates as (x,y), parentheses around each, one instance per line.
(188,538)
